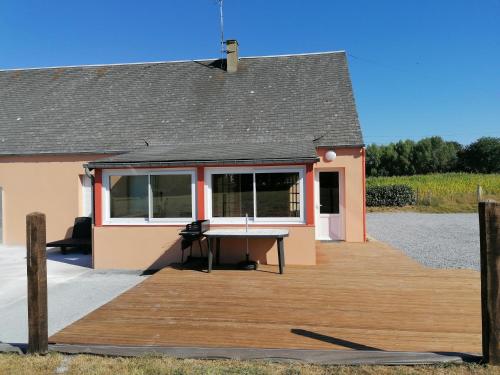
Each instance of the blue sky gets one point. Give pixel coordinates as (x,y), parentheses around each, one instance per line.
(419,67)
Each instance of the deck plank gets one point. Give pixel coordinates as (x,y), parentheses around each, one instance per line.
(359,296)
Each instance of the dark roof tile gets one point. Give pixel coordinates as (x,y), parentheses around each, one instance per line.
(116,108)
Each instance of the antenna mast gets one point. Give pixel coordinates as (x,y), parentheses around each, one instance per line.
(221,5)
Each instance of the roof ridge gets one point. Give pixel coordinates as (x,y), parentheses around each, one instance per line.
(168,62)
(296,54)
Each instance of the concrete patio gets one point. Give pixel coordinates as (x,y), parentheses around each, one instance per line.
(74,290)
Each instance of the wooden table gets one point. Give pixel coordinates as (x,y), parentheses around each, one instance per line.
(217,234)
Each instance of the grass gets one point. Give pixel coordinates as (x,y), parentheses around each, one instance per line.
(95,365)
(445,192)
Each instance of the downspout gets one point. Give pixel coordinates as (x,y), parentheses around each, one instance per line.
(92,180)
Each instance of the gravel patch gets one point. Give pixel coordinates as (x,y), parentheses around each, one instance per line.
(435,240)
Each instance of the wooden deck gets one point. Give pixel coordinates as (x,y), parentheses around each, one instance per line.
(360,296)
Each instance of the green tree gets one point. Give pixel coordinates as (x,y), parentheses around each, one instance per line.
(482,156)
(388,158)
(455,166)
(434,155)
(429,155)
(404,165)
(373,154)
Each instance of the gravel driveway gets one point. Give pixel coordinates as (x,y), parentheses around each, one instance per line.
(74,290)
(435,240)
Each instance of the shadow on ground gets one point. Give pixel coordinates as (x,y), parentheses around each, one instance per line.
(73,257)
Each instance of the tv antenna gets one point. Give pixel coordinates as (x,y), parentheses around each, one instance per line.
(221,13)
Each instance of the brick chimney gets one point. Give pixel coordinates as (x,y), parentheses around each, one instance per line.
(232,56)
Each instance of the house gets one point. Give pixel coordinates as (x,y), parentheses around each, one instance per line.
(150,147)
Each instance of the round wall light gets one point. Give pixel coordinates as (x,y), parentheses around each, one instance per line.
(330,155)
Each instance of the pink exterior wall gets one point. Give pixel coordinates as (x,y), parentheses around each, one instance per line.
(49,184)
(143,247)
(139,247)
(351,162)
(154,246)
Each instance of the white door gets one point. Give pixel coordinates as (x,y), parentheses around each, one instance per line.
(86,196)
(329,206)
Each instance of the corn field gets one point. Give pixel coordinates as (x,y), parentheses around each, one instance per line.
(447,192)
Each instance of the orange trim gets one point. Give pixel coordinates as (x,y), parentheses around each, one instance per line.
(309,194)
(200,172)
(211,166)
(98,197)
(363,154)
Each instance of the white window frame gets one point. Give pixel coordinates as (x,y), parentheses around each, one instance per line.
(254,220)
(150,220)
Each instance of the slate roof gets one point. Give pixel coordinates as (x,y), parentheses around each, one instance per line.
(118,108)
(192,154)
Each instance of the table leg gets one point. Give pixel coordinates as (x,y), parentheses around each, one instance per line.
(210,254)
(281,254)
(217,251)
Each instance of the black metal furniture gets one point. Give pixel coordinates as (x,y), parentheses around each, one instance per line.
(193,232)
(81,237)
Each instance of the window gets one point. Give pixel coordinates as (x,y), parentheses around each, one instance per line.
(265,195)
(329,192)
(232,195)
(278,194)
(129,196)
(150,197)
(172,196)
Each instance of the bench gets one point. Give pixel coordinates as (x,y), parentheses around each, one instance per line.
(81,237)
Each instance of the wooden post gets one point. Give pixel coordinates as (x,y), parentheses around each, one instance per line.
(479,193)
(489,232)
(37,283)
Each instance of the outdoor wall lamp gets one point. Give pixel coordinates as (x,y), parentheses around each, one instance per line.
(330,155)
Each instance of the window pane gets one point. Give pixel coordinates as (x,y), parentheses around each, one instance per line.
(129,196)
(172,196)
(278,194)
(232,195)
(329,192)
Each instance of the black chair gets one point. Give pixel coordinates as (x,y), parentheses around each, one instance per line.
(81,237)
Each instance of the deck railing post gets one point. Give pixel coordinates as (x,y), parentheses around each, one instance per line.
(37,283)
(489,232)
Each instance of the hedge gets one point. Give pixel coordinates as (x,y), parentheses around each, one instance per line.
(390,195)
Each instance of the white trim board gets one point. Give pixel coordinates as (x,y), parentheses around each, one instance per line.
(106,206)
(253,170)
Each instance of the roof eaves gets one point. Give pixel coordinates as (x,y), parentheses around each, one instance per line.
(329,145)
(178,163)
